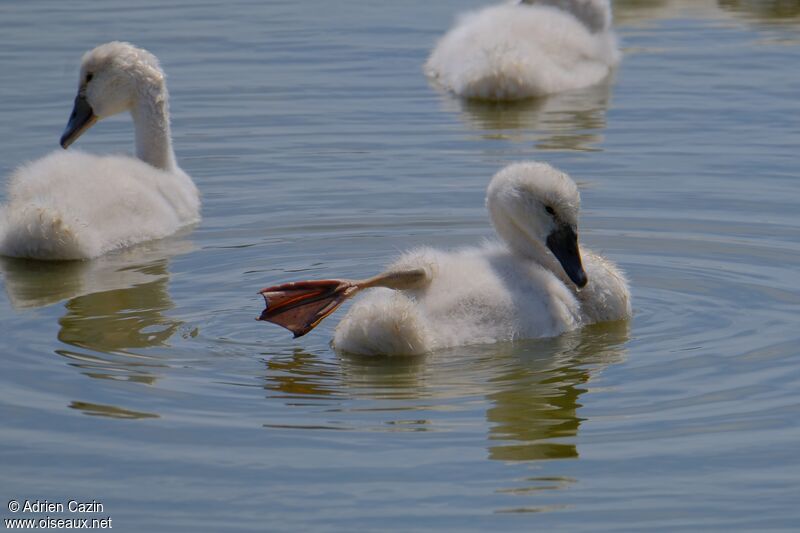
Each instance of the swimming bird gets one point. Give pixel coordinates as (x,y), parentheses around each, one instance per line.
(526,49)
(534,282)
(74,205)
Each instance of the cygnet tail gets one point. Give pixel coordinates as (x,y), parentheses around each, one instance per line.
(384,322)
(39,233)
(301,305)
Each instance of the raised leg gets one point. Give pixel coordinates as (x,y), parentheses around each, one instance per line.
(301,305)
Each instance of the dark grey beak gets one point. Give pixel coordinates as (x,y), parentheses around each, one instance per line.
(80,120)
(563,242)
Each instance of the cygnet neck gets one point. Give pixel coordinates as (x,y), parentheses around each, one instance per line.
(150,113)
(594,14)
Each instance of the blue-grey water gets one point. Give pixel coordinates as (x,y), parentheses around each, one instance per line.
(141,381)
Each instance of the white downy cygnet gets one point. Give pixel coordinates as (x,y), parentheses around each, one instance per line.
(536,282)
(74,205)
(526,49)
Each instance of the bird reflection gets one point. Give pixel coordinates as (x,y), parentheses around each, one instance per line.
(532,387)
(636,12)
(764,10)
(115,307)
(572,120)
(301,375)
(122,319)
(536,405)
(94,409)
(633,12)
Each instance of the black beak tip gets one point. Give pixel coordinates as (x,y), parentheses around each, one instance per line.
(563,242)
(81,118)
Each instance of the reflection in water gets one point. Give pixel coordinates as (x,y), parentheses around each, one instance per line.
(633,12)
(109,326)
(572,120)
(764,10)
(391,378)
(95,409)
(536,401)
(304,375)
(532,389)
(623,7)
(121,319)
(301,375)
(115,306)
(31,284)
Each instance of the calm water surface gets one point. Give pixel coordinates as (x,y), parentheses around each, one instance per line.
(141,380)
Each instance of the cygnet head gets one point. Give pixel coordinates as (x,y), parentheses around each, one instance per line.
(112,76)
(534,209)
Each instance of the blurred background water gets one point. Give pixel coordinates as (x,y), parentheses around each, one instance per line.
(141,380)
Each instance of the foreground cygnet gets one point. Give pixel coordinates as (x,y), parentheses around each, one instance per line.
(536,282)
(73,205)
(526,49)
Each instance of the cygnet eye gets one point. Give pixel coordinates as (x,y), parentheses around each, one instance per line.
(89,77)
(550,210)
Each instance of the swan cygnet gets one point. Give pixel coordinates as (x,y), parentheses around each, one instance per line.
(536,282)
(526,49)
(74,205)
